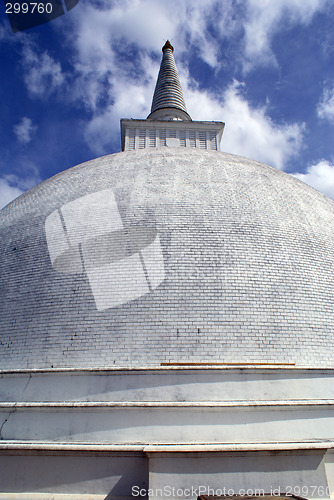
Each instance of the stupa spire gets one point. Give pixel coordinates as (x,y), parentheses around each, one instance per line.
(168,101)
(168,124)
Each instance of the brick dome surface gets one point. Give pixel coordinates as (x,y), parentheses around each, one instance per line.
(167,255)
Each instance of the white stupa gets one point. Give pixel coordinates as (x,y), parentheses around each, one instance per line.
(166,323)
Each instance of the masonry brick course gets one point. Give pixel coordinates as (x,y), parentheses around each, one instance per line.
(248,256)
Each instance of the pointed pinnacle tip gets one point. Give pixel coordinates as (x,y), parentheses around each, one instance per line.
(168,45)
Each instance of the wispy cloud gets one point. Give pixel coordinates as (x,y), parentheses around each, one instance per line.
(320,176)
(8,192)
(131,101)
(42,73)
(263,20)
(25,130)
(116,49)
(113,85)
(13,185)
(130,32)
(249,130)
(326,105)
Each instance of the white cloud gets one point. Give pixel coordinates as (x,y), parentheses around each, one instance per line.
(25,130)
(264,18)
(118,54)
(42,74)
(326,106)
(4,33)
(116,49)
(321,177)
(249,131)
(124,23)
(107,37)
(8,192)
(12,185)
(200,27)
(129,82)
(131,101)
(148,24)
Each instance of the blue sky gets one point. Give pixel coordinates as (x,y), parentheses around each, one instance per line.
(264,67)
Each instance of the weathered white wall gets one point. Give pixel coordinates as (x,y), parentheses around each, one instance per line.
(329,467)
(89,432)
(168,384)
(168,406)
(172,425)
(302,474)
(121,474)
(96,476)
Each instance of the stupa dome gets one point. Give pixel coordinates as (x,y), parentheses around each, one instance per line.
(169,255)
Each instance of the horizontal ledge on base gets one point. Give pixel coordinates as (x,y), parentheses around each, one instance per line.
(198,367)
(54,496)
(31,405)
(163,447)
(261,446)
